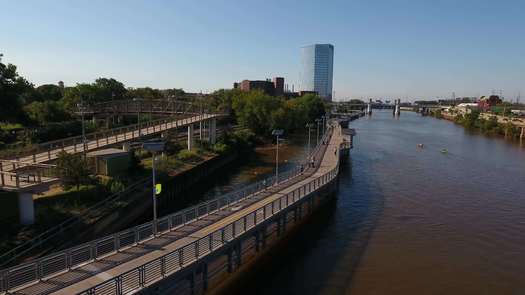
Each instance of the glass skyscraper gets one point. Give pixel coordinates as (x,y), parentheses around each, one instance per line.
(317,69)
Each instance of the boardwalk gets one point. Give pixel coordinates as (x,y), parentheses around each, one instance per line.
(103,270)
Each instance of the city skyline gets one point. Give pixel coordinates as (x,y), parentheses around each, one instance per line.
(412,49)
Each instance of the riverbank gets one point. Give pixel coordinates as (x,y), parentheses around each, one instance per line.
(488,124)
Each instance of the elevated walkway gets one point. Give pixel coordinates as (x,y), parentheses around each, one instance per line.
(24,171)
(127,263)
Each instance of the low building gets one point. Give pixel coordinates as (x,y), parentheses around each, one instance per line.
(485,103)
(466,108)
(109,162)
(275,87)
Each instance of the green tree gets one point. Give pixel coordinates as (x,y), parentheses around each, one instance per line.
(110,89)
(45,112)
(12,87)
(72,170)
(48,92)
(144,93)
(470,119)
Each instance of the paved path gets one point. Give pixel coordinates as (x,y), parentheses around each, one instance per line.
(93,273)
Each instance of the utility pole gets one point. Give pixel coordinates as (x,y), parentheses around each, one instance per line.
(317,121)
(153,147)
(309,126)
(82,109)
(277,133)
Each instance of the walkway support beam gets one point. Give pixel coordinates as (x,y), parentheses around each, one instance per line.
(190,137)
(26,208)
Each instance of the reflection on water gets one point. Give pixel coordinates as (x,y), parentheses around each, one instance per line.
(411,220)
(260,165)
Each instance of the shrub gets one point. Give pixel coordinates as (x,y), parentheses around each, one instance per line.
(189,156)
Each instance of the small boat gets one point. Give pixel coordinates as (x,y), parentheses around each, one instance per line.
(444,151)
(420,145)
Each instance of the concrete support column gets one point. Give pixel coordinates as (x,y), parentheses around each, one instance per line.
(200,130)
(213,131)
(522,134)
(190,137)
(125,147)
(26,208)
(205,277)
(230,260)
(238,254)
(164,136)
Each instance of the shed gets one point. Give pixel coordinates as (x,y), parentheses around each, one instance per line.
(109,162)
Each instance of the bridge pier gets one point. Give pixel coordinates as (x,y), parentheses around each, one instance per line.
(190,137)
(200,130)
(522,134)
(369,108)
(26,208)
(213,131)
(397,108)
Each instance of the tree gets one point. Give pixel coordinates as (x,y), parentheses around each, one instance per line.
(145,93)
(72,170)
(110,89)
(45,112)
(49,92)
(12,87)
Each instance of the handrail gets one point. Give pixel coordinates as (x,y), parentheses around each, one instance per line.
(38,269)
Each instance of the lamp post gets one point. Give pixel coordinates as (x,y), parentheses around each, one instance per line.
(318,121)
(137,100)
(324,123)
(82,107)
(309,126)
(154,146)
(277,133)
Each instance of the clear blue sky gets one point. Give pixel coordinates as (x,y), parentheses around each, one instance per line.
(391,48)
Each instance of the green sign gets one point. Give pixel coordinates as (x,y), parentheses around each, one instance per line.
(158,188)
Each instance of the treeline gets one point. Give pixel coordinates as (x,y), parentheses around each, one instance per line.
(473,121)
(46,112)
(25,104)
(262,113)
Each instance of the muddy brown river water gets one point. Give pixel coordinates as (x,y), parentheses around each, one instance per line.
(407,220)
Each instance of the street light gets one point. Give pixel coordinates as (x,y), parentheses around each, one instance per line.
(136,99)
(277,133)
(154,146)
(309,126)
(82,107)
(324,123)
(317,121)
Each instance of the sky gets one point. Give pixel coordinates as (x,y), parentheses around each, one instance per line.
(383,48)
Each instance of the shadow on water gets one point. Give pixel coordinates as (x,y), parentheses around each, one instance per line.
(321,255)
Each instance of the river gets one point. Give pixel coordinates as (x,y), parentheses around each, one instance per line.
(405,220)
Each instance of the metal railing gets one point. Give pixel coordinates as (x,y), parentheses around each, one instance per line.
(155,270)
(16,173)
(151,106)
(55,263)
(48,151)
